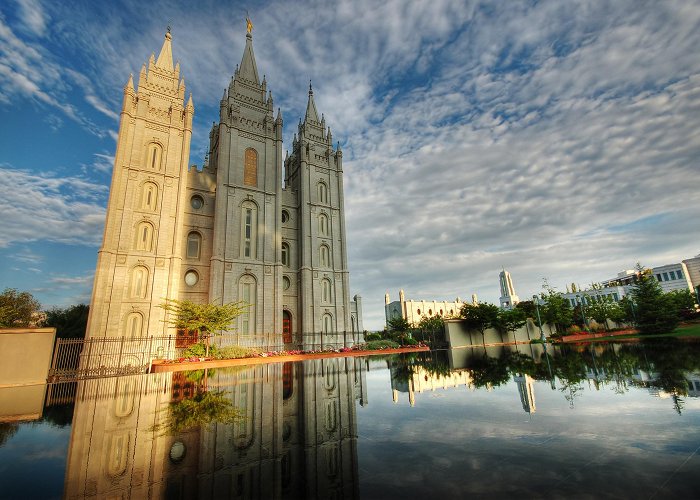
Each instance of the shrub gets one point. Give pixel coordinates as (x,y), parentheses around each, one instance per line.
(381,344)
(234,352)
(199,350)
(410,341)
(373,336)
(573,330)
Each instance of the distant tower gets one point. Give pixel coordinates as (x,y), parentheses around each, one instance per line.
(508,297)
(475,299)
(527,393)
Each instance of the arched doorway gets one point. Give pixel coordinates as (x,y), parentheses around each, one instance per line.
(287,327)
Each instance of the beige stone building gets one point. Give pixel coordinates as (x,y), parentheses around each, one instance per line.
(415,310)
(240,229)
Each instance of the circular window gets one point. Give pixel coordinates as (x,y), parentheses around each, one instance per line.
(286,283)
(197,202)
(177,452)
(285,216)
(191,278)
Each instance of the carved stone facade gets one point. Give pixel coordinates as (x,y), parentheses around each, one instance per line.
(235,231)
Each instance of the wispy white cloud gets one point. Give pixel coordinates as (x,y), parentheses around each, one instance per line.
(553,139)
(66,209)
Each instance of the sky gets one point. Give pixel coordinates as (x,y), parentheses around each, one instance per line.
(557,140)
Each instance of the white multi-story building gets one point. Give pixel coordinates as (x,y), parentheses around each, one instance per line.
(414,310)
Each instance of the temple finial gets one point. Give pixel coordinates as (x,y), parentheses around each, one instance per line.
(249,23)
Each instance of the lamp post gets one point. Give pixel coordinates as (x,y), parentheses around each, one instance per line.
(539,321)
(579,299)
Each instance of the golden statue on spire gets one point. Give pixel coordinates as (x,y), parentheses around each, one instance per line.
(248,22)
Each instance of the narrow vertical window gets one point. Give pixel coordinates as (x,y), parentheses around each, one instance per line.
(322,193)
(249,216)
(194,245)
(134,325)
(323,225)
(149,197)
(139,282)
(327,323)
(324,256)
(144,237)
(285,254)
(250,169)
(325,291)
(155,153)
(247,294)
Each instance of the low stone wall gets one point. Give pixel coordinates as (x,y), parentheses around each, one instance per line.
(26,355)
(458,335)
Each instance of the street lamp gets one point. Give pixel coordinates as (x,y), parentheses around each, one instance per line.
(579,299)
(539,321)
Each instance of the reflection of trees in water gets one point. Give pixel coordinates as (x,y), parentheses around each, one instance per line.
(617,365)
(202,409)
(7,430)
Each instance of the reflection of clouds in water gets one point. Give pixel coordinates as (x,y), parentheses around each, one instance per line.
(609,444)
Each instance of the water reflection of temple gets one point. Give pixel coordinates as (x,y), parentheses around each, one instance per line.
(297,437)
(421,380)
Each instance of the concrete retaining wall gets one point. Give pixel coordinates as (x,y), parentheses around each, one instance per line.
(26,355)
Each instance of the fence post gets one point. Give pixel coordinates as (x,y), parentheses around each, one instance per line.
(56,348)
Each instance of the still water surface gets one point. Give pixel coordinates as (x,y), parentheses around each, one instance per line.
(603,421)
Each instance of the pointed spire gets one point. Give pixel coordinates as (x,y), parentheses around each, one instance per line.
(190,104)
(165,58)
(311,113)
(279,116)
(130,83)
(248,69)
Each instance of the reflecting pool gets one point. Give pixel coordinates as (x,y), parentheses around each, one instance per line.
(601,420)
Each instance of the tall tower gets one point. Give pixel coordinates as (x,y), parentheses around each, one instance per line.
(508,297)
(246,151)
(314,185)
(139,262)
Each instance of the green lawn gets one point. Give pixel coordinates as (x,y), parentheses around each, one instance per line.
(683,331)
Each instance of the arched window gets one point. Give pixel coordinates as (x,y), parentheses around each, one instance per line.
(326,291)
(247,293)
(149,197)
(323,225)
(154,156)
(194,245)
(250,169)
(327,322)
(144,237)
(285,254)
(324,255)
(138,285)
(133,325)
(322,192)
(249,229)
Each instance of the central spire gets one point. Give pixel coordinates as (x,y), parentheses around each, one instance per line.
(165,58)
(311,113)
(248,69)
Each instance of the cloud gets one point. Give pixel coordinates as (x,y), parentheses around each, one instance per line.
(33,16)
(554,140)
(66,210)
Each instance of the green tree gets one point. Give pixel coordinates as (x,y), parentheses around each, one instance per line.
(656,311)
(602,308)
(556,310)
(627,308)
(17,309)
(480,316)
(70,323)
(399,325)
(683,301)
(510,320)
(528,308)
(207,319)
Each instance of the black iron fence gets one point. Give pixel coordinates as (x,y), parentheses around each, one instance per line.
(76,359)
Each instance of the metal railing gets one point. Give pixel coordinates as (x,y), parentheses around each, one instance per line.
(76,359)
